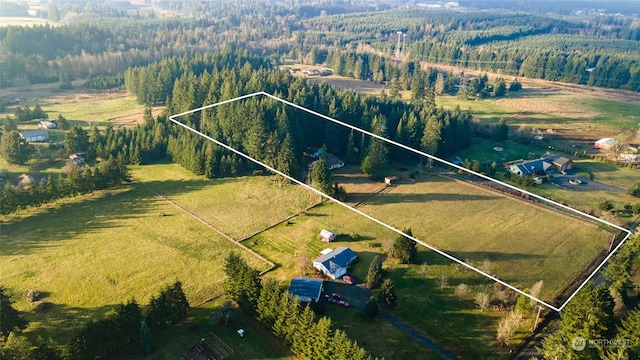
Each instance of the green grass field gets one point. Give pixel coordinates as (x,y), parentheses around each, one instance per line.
(620,114)
(523,243)
(609,174)
(239,207)
(93,252)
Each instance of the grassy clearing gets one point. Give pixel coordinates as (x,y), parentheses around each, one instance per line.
(523,243)
(609,174)
(90,253)
(482,150)
(239,207)
(616,113)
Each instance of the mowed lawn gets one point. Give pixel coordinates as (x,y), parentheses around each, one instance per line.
(239,207)
(523,244)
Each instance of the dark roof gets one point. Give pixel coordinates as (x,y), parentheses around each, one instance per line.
(531,167)
(341,257)
(306,288)
(561,161)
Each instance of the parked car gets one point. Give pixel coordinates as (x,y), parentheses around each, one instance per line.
(343,303)
(332,300)
(335,295)
(348,279)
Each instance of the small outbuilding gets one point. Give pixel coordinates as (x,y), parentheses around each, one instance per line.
(563,164)
(327,235)
(35,136)
(48,124)
(390,180)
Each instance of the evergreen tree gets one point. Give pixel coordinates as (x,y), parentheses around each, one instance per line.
(13,149)
(371,308)
(321,175)
(375,163)
(146,339)
(375,273)
(501,130)
(10,318)
(405,249)
(387,296)
(629,329)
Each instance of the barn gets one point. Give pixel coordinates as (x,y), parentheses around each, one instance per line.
(35,135)
(327,235)
(305,289)
(605,144)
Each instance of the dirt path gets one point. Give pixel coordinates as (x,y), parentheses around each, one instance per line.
(418,336)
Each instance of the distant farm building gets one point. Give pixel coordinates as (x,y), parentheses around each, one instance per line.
(48,124)
(605,144)
(25,181)
(334,161)
(35,135)
(335,263)
(390,180)
(327,235)
(307,290)
(76,159)
(563,164)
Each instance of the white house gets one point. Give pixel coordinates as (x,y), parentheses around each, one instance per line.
(335,263)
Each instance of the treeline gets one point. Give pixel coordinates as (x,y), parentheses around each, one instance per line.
(276,134)
(283,315)
(107,174)
(128,324)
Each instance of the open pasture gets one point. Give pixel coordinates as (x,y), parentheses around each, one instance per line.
(90,253)
(522,243)
(239,207)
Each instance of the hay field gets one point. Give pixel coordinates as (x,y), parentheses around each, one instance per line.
(523,244)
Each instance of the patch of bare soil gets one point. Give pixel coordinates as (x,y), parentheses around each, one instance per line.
(541,106)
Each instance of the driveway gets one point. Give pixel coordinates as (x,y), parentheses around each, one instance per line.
(562,181)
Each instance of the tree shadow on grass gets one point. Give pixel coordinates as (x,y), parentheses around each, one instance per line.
(31,230)
(389,198)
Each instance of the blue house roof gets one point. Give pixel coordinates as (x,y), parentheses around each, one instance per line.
(337,261)
(531,167)
(306,289)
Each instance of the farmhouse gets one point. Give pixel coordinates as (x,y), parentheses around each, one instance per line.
(35,135)
(605,144)
(76,159)
(305,289)
(48,124)
(525,168)
(335,263)
(327,235)
(563,164)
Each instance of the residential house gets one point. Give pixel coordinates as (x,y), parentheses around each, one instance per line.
(25,181)
(390,180)
(35,135)
(48,124)
(327,235)
(305,289)
(532,167)
(335,263)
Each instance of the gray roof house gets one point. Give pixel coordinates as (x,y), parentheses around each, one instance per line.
(35,135)
(531,167)
(335,263)
(305,289)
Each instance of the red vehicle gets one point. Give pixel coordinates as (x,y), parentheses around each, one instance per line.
(343,303)
(335,295)
(348,279)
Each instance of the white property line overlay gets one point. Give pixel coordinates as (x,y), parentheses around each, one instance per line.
(450,257)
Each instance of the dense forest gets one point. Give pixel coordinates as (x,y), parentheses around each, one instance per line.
(601,50)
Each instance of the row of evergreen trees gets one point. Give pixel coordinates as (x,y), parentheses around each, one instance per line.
(283,315)
(107,174)
(128,323)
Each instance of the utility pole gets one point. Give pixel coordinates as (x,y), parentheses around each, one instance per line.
(535,323)
(398,47)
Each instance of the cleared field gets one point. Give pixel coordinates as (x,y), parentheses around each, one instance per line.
(87,254)
(24,21)
(239,207)
(421,302)
(523,243)
(609,174)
